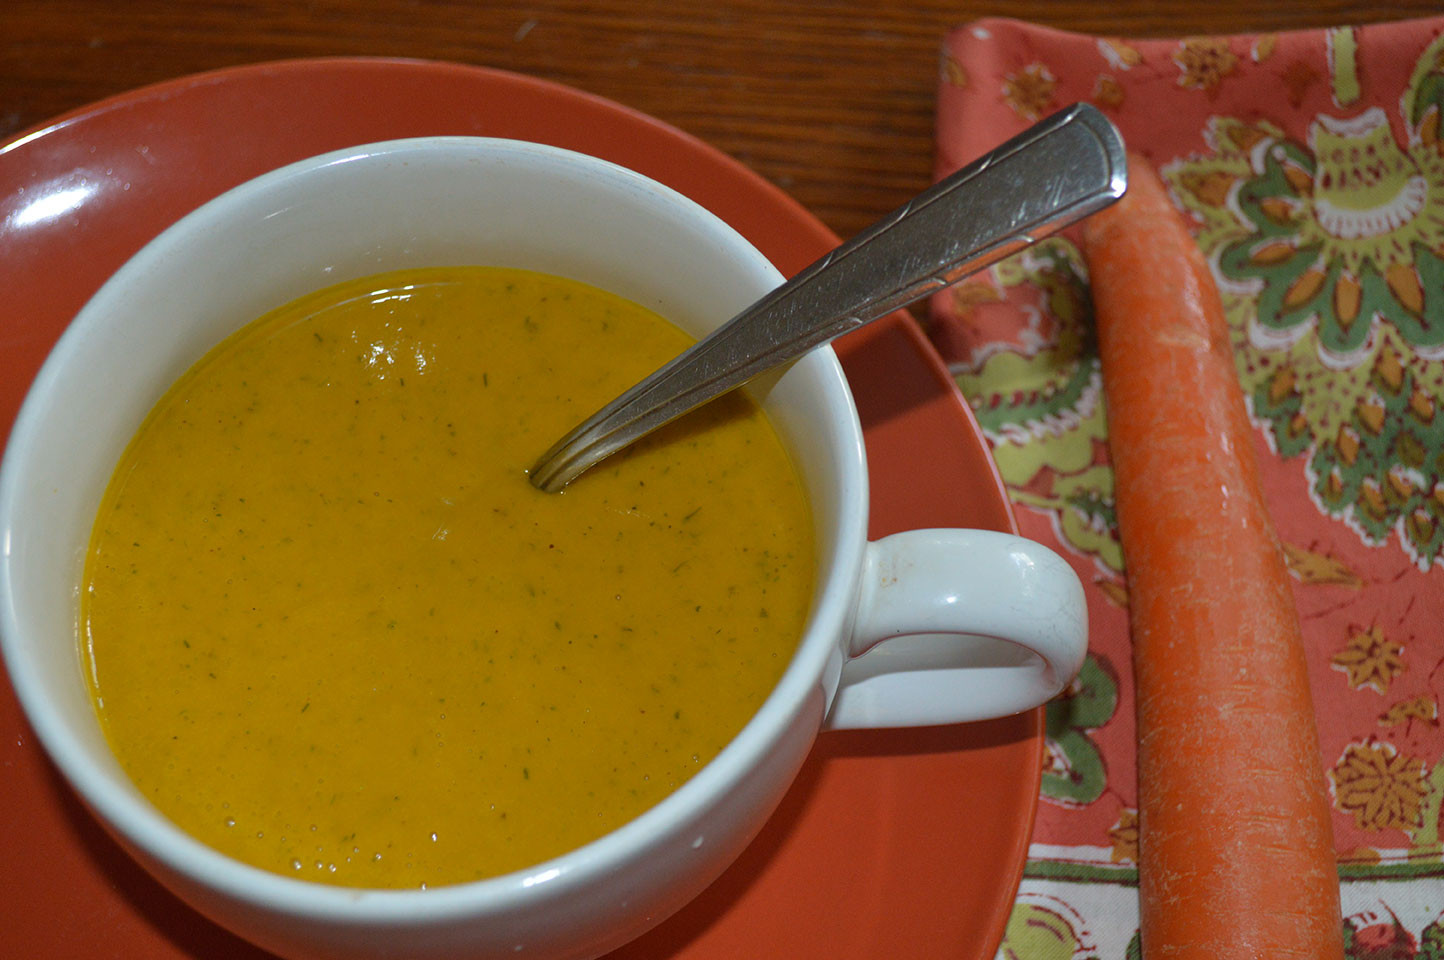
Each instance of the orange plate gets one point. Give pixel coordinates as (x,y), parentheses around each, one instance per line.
(891,844)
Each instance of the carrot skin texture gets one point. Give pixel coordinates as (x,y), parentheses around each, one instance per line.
(1236,848)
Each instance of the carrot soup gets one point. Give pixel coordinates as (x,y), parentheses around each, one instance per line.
(332,630)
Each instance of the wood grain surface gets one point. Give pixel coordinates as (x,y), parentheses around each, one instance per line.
(831,101)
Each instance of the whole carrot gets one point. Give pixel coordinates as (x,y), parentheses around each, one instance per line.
(1236,850)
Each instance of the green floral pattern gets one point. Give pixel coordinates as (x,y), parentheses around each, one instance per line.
(1043,411)
(1331,252)
(1075,771)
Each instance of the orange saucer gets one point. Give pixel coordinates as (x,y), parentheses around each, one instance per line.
(903,843)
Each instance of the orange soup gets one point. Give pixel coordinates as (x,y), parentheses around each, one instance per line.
(334,632)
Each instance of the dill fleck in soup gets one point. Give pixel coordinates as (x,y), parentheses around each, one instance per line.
(334,632)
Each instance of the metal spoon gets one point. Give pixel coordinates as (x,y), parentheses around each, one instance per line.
(1054,173)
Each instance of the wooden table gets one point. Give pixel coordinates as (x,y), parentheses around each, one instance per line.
(831,101)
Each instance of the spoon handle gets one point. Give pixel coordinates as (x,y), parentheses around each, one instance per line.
(1058,171)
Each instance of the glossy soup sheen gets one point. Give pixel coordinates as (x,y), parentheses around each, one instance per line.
(334,632)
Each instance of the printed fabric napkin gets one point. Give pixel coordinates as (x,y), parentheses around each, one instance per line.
(1310,166)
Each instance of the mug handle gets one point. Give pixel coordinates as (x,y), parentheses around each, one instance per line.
(959,625)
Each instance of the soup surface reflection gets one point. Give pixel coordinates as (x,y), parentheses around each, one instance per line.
(333,631)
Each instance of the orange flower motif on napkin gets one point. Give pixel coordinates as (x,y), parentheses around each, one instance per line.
(1120,54)
(1310,566)
(1124,835)
(1030,91)
(1419,708)
(1383,788)
(1108,92)
(1204,62)
(1370,660)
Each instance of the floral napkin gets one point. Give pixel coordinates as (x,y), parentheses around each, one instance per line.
(1310,166)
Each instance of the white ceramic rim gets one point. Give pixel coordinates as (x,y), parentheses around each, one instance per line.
(143,825)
